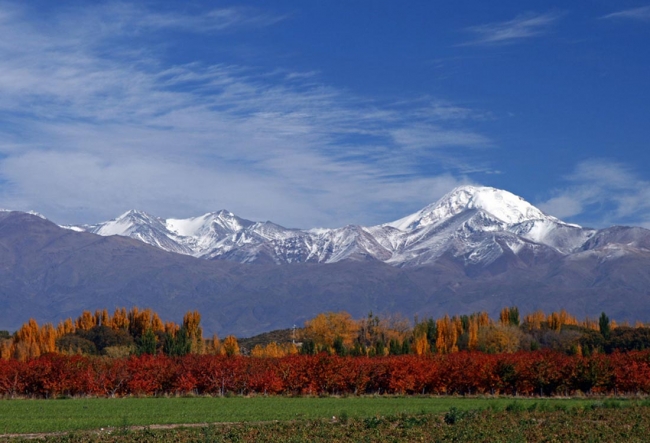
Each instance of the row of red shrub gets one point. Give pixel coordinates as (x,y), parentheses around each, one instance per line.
(523,373)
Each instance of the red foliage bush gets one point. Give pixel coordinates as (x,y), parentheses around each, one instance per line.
(465,373)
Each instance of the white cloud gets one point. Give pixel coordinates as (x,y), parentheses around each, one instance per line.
(521,27)
(434,137)
(642,14)
(602,193)
(562,206)
(90,132)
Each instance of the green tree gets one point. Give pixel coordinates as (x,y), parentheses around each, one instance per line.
(432,332)
(379,347)
(339,347)
(73,344)
(603,323)
(308,347)
(147,343)
(179,345)
(514,316)
(358,350)
(394,347)
(104,337)
(406,346)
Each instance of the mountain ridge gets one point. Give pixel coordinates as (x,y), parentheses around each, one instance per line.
(473,223)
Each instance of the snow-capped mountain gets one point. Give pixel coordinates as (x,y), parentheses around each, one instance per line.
(481,249)
(474,225)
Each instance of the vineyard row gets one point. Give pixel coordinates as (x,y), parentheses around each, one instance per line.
(463,373)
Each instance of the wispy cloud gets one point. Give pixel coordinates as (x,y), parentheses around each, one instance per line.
(89,132)
(642,14)
(121,18)
(432,137)
(602,193)
(522,27)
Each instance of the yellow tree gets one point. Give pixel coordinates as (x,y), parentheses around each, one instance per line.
(5,349)
(258,351)
(499,338)
(27,341)
(171,328)
(472,341)
(271,350)
(139,321)
(325,328)
(65,327)
(290,348)
(86,321)
(458,325)
(591,323)
(192,325)
(47,339)
(213,346)
(534,320)
(421,345)
(103,318)
(558,319)
(120,319)
(504,317)
(230,346)
(483,319)
(156,323)
(446,340)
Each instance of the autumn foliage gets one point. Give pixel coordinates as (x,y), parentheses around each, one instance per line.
(141,331)
(122,333)
(335,354)
(541,373)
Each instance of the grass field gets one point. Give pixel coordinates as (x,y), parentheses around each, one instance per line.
(46,416)
(528,421)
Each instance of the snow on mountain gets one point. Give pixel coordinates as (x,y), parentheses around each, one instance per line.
(352,241)
(140,226)
(564,237)
(502,205)
(479,225)
(37,214)
(476,225)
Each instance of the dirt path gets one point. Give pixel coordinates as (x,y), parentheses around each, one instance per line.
(42,435)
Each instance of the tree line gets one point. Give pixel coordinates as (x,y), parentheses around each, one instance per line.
(135,331)
(338,333)
(141,331)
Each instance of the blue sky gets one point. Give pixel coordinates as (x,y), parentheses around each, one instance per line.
(323,113)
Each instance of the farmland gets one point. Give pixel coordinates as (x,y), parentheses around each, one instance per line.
(326,419)
(23,416)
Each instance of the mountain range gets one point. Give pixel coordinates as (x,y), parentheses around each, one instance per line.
(477,225)
(476,248)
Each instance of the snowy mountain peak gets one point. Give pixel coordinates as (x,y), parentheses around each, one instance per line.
(471,223)
(499,204)
(126,224)
(222,221)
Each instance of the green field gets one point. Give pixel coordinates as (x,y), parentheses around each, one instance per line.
(45,416)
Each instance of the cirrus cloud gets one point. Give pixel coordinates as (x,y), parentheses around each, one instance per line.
(95,123)
(602,193)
